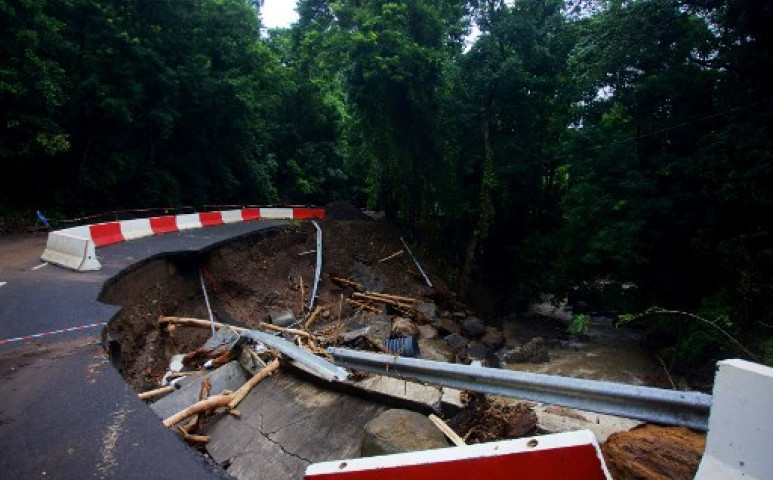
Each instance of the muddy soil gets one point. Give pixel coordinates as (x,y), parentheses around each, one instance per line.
(251,280)
(247,280)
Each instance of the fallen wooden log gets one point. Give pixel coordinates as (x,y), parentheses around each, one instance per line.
(387,301)
(196,322)
(155,393)
(392,297)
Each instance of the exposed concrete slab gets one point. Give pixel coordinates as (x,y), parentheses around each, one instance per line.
(230,376)
(272,440)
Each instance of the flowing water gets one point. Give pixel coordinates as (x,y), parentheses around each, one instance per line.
(604,353)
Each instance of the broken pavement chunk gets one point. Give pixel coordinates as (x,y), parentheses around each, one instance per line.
(228,377)
(398,431)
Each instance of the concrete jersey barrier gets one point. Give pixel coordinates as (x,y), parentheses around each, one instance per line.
(75,248)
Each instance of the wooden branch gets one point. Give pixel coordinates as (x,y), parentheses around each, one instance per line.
(239,395)
(155,393)
(196,322)
(363,306)
(388,301)
(390,257)
(312,317)
(214,401)
(348,283)
(443,427)
(392,297)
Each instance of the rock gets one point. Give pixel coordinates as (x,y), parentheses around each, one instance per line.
(428,332)
(348,337)
(367,277)
(654,453)
(473,327)
(456,342)
(448,327)
(459,315)
(380,327)
(436,349)
(535,351)
(478,351)
(223,340)
(493,338)
(399,431)
(282,318)
(427,310)
(404,327)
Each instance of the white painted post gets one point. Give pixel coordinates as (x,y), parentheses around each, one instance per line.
(741,424)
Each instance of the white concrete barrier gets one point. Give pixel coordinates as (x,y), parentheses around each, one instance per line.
(70,251)
(138,228)
(740,425)
(186,222)
(231,216)
(276,213)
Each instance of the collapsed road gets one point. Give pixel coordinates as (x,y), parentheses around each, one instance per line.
(65,411)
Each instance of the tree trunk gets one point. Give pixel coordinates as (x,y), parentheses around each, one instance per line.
(486,204)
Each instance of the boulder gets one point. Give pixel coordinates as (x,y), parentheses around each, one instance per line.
(282,318)
(478,351)
(427,310)
(473,327)
(399,431)
(404,327)
(447,326)
(456,342)
(436,349)
(428,332)
(535,351)
(651,452)
(493,338)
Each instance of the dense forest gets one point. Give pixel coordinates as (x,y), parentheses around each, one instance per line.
(617,151)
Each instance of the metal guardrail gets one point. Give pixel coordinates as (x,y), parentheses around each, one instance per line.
(671,407)
(325,369)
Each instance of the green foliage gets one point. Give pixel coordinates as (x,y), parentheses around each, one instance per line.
(570,142)
(579,324)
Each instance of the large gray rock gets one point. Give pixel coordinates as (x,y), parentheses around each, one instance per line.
(428,332)
(427,310)
(435,349)
(535,351)
(493,338)
(448,326)
(473,327)
(399,431)
(404,327)
(456,342)
(282,318)
(478,351)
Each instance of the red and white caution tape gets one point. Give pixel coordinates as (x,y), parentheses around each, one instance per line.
(53,332)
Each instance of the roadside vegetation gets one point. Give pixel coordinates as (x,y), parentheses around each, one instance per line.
(617,152)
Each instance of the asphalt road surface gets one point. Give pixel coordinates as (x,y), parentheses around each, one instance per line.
(65,412)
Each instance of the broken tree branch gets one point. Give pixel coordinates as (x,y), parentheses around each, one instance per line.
(447,431)
(363,306)
(313,317)
(348,283)
(195,322)
(390,257)
(155,393)
(214,401)
(239,395)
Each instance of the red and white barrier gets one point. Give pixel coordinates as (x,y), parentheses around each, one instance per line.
(74,247)
(562,456)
